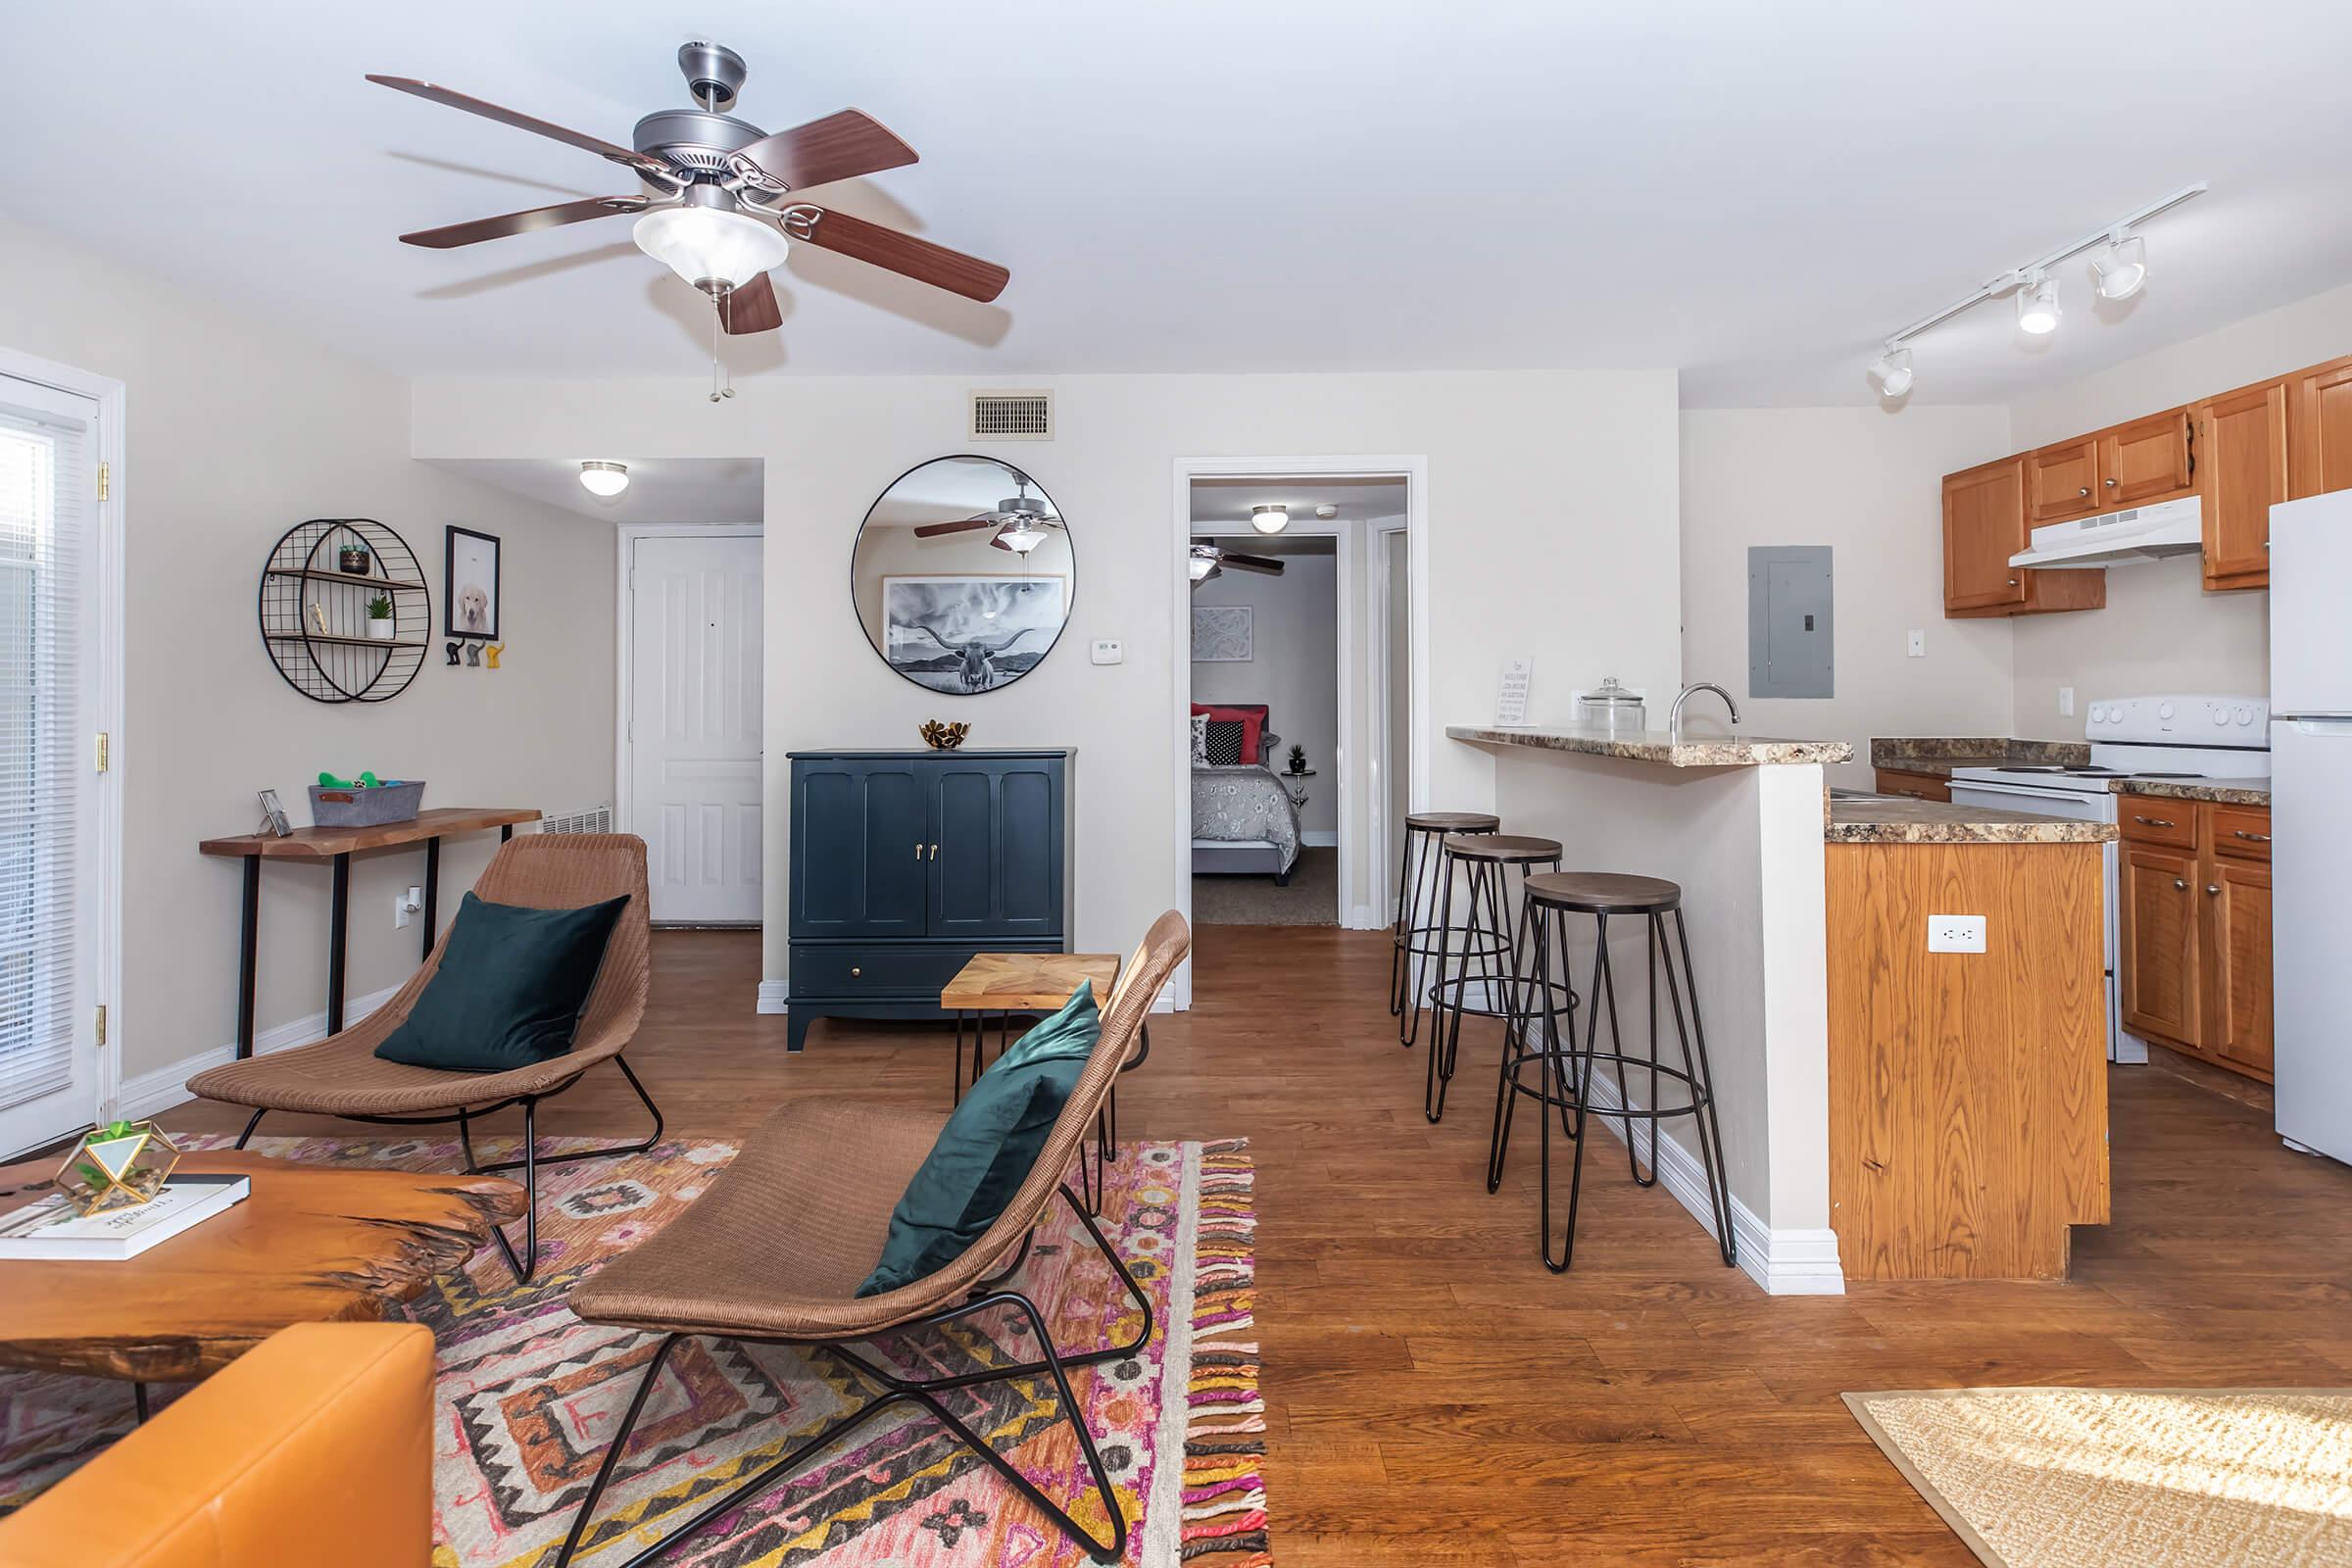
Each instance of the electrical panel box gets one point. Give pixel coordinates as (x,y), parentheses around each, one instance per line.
(1792,630)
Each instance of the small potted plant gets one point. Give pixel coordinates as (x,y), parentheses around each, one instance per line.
(1297,758)
(351,560)
(379,618)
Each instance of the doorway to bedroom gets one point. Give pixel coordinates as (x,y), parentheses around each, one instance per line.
(1281,685)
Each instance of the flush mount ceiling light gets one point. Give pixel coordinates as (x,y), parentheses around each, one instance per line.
(1270,517)
(604,479)
(2121,266)
(2119,263)
(1892,373)
(2038,309)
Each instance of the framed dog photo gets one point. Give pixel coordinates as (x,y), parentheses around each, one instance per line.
(470,583)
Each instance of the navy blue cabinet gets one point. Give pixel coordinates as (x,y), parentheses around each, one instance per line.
(906,864)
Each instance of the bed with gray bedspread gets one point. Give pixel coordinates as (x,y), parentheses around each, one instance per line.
(1244,806)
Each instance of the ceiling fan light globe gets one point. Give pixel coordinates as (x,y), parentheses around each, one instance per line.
(1022,540)
(713,250)
(604,479)
(1269,519)
(1199,567)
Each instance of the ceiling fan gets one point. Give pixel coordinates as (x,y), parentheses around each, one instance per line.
(723,199)
(1021,522)
(1209,560)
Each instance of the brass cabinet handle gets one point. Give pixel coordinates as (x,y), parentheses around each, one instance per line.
(2251,838)
(935,851)
(2155,821)
(2183,886)
(918,851)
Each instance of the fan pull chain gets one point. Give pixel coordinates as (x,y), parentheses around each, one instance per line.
(726,302)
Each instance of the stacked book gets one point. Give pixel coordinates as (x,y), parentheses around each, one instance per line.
(53,1230)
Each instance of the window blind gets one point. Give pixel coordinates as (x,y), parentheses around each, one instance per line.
(45,500)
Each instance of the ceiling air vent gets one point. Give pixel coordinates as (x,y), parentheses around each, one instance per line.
(1012,417)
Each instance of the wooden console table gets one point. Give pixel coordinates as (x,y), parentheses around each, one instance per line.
(336,846)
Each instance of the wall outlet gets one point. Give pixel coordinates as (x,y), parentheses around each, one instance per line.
(1915,644)
(405,905)
(2066,702)
(1955,933)
(1110,651)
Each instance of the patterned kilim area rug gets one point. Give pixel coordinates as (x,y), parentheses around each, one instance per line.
(528,1394)
(2154,1478)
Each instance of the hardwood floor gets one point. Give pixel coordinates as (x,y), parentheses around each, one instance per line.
(1435,1396)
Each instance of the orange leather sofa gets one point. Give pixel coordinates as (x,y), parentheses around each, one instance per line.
(314,1447)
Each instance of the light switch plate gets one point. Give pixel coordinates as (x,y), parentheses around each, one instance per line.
(2066,702)
(1955,933)
(1915,644)
(1110,651)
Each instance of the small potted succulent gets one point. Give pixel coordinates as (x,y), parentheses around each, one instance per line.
(1297,758)
(351,560)
(379,618)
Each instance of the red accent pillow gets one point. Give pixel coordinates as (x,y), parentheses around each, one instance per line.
(1252,717)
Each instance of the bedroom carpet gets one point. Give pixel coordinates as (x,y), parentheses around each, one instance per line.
(1311,899)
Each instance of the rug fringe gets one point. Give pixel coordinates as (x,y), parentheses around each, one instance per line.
(1224,1506)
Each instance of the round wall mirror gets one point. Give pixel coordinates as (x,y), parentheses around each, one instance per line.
(964,574)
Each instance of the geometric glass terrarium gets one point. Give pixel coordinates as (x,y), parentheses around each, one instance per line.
(117,1166)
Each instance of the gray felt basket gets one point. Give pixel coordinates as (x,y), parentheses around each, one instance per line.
(358,807)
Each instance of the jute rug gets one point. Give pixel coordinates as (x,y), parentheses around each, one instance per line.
(528,1394)
(2155,1478)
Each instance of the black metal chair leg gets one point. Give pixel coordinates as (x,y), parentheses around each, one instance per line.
(530,1187)
(1397,964)
(620,1441)
(251,1124)
(138,1402)
(1583,1093)
(1433,1103)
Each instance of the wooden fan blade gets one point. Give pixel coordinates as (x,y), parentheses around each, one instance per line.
(433,94)
(752,308)
(904,254)
(523,223)
(932,531)
(1265,563)
(839,146)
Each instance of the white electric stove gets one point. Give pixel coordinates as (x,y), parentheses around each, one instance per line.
(2131,739)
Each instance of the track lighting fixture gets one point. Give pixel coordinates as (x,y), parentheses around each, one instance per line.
(2119,264)
(2038,309)
(1892,373)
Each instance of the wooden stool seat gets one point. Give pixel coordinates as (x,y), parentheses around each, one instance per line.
(1597,892)
(1454,822)
(1509,848)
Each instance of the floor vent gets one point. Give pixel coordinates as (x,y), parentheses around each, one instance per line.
(595,819)
(1012,417)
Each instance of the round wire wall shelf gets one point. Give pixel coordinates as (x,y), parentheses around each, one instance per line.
(315,590)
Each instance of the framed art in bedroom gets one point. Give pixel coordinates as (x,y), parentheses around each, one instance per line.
(1223,634)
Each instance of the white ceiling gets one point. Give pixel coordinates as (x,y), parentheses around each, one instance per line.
(1227,502)
(723,490)
(1752,193)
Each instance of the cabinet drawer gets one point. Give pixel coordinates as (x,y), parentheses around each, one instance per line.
(848,971)
(2241,830)
(2146,819)
(1917,786)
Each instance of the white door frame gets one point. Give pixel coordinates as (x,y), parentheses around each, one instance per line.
(624,636)
(1413,470)
(1382,837)
(105,647)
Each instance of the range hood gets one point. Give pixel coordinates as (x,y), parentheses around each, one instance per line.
(2118,538)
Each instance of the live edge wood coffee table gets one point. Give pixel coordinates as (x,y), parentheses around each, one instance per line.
(311,1244)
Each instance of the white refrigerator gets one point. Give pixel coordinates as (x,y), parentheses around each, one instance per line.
(2311,819)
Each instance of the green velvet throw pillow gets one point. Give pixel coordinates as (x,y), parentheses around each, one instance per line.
(987,1149)
(510,989)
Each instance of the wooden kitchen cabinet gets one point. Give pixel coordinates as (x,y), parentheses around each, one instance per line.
(2145,462)
(2318,435)
(2242,463)
(2063,481)
(1917,786)
(1984,525)
(2194,889)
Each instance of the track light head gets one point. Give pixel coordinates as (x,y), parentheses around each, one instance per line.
(1892,373)
(2121,265)
(2038,309)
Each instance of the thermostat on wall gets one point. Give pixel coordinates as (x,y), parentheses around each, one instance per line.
(1110,651)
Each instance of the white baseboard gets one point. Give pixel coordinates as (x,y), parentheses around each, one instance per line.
(165,1087)
(1321,838)
(773,994)
(1785,1262)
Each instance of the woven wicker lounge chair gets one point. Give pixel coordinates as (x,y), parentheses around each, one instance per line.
(775,1250)
(342,1076)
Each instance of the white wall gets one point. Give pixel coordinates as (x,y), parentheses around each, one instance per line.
(1295,671)
(1868,484)
(1509,553)
(236,432)
(2161,631)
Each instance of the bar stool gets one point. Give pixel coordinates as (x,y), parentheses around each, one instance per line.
(1422,830)
(1564,1071)
(1484,861)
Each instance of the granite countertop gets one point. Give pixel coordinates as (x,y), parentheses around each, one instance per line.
(1900,819)
(2220,791)
(1938,755)
(1657,746)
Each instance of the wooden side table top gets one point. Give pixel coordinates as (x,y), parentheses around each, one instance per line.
(325,843)
(1027,982)
(311,1244)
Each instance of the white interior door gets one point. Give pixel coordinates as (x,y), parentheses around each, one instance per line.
(49,852)
(694,731)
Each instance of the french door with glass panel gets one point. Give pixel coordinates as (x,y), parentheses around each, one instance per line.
(49,823)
